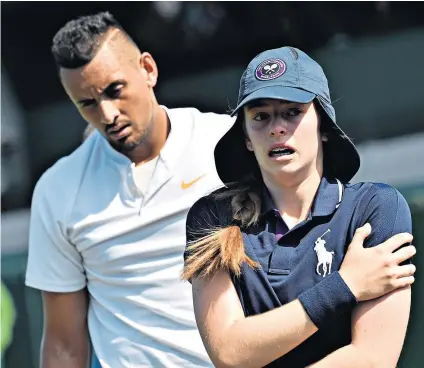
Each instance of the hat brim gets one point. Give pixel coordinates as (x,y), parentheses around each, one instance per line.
(234,162)
(279,93)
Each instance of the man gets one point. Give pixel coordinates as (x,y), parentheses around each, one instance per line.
(107,230)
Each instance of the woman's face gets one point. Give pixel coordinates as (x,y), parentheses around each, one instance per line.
(285,138)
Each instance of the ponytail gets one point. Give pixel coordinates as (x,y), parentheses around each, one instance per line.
(223,248)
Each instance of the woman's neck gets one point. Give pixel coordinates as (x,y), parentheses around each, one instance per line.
(294,201)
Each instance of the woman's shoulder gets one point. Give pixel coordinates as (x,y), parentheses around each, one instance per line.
(219,201)
(384,208)
(213,209)
(375,190)
(381,197)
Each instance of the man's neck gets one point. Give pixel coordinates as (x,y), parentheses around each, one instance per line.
(151,147)
(294,201)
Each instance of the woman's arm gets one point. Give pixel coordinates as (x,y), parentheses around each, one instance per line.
(379,329)
(235,341)
(232,340)
(379,326)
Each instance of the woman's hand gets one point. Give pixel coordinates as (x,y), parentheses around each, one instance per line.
(373,272)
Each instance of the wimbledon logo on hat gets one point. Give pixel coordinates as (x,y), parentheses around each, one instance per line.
(270,69)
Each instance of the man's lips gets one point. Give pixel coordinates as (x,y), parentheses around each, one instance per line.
(115,128)
(119,131)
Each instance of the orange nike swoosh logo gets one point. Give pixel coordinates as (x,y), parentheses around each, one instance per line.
(190,183)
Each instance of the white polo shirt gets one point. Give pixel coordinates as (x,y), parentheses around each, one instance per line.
(91,226)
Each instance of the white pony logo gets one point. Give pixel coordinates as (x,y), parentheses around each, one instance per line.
(325,258)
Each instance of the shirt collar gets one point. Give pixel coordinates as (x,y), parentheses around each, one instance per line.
(179,136)
(324,204)
(326,198)
(267,205)
(175,143)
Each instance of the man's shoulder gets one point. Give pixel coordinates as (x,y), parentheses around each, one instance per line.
(206,120)
(66,171)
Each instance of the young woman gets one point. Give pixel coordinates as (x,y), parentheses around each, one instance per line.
(289,262)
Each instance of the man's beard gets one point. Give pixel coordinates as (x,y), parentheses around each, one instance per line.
(123,147)
(127,147)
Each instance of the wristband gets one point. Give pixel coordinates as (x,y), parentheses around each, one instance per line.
(329,297)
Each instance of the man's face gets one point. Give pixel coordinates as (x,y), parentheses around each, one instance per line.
(114,93)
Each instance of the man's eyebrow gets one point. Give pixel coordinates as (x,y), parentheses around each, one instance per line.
(85,100)
(113,84)
(104,91)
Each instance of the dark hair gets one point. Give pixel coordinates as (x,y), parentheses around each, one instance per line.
(326,127)
(78,41)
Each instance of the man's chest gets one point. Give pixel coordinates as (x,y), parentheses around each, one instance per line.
(131,244)
(140,235)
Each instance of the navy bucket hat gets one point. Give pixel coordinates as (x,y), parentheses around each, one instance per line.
(287,74)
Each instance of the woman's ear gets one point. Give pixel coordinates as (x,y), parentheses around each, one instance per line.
(249,145)
(324,137)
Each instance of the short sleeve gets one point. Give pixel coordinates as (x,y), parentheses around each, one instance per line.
(54,264)
(388,214)
(201,219)
(206,215)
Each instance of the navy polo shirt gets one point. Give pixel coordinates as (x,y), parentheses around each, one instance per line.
(303,262)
